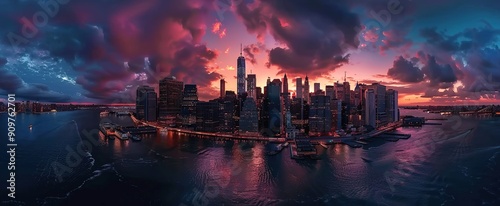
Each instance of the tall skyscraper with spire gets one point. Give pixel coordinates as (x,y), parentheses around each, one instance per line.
(241,72)
(285,85)
(306,89)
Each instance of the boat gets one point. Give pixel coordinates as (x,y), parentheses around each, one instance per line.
(286,144)
(31,126)
(53,110)
(323,145)
(104,114)
(122,135)
(136,138)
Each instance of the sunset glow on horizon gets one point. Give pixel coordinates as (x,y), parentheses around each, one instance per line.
(85,54)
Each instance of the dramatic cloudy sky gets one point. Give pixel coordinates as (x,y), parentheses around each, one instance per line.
(432,51)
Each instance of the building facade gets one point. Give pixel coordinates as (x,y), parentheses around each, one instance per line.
(146,103)
(170,100)
(188,107)
(249,120)
(240,75)
(320,115)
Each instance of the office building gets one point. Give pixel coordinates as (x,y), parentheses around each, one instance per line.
(320,115)
(170,101)
(249,120)
(317,86)
(392,105)
(188,107)
(306,89)
(252,85)
(336,110)
(207,116)
(299,89)
(222,88)
(241,73)
(274,122)
(146,103)
(330,91)
(370,108)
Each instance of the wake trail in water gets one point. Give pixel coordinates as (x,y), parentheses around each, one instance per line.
(89,155)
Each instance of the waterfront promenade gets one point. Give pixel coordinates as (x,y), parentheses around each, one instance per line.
(329,139)
(209,134)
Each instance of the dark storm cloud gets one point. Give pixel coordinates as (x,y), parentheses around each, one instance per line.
(316,36)
(253,49)
(437,73)
(440,40)
(102,35)
(11,84)
(405,71)
(9,81)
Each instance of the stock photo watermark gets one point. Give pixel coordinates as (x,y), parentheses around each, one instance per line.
(11,145)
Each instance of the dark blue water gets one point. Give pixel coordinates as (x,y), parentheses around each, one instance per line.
(64,161)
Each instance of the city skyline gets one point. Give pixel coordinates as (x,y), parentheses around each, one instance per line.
(102,59)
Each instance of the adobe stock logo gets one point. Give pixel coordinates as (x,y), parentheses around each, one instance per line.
(30,27)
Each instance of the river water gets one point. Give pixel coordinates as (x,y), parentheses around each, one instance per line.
(439,165)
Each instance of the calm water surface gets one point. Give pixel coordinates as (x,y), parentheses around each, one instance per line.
(439,165)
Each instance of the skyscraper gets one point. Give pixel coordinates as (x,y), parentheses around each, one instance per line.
(336,108)
(320,115)
(274,107)
(299,89)
(170,100)
(317,87)
(286,95)
(285,85)
(188,108)
(207,116)
(370,108)
(251,86)
(306,89)
(222,88)
(249,120)
(330,91)
(241,74)
(145,103)
(380,103)
(392,105)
